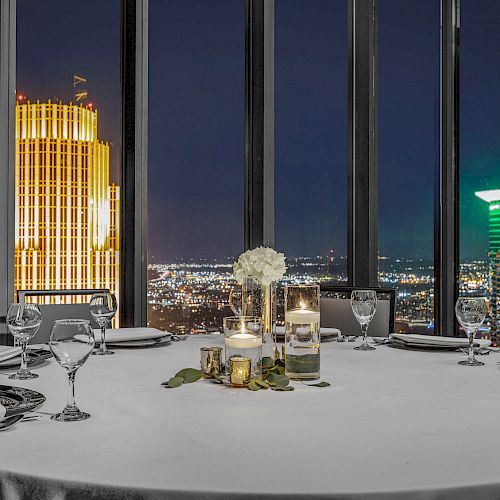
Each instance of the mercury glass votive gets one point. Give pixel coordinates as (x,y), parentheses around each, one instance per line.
(211,360)
(240,370)
(243,339)
(302,332)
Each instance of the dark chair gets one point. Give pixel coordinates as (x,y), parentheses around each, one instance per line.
(336,310)
(51,312)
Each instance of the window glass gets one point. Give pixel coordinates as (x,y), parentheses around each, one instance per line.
(480,152)
(196,160)
(409,54)
(67,193)
(311,138)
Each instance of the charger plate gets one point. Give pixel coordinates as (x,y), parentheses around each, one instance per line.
(19,400)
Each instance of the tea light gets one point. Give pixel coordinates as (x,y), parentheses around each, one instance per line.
(302,316)
(239,371)
(243,341)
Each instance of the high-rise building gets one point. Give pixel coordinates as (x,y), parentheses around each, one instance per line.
(66,211)
(492,197)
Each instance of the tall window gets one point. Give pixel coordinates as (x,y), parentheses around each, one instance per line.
(67,145)
(480,151)
(311,137)
(196,160)
(408,155)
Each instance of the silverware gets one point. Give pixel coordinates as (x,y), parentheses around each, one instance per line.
(178,338)
(10,421)
(481,351)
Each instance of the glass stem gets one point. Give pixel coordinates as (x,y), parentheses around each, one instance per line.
(24,356)
(364,330)
(103,339)
(71,389)
(471,346)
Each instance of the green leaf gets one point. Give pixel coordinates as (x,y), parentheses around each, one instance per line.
(280,370)
(190,375)
(282,388)
(267,362)
(262,383)
(320,384)
(217,380)
(253,386)
(280,380)
(174,382)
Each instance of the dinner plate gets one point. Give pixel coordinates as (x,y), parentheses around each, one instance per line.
(33,360)
(140,343)
(19,400)
(326,333)
(119,335)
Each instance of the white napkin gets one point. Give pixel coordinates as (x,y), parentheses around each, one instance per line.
(2,411)
(7,352)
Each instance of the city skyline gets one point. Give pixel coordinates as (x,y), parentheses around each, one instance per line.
(197,130)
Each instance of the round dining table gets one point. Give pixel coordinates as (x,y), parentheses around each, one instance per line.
(394,424)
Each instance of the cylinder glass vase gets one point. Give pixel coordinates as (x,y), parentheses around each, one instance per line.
(302,331)
(243,344)
(255,299)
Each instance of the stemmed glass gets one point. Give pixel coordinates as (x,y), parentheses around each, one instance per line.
(471,312)
(23,321)
(71,342)
(103,308)
(364,305)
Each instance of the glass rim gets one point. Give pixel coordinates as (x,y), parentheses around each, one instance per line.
(302,285)
(72,321)
(242,318)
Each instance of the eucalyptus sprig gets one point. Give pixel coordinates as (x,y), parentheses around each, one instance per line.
(273,377)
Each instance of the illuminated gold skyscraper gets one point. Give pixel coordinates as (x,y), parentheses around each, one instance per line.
(67,213)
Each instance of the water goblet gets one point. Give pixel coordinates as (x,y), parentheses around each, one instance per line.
(364,306)
(471,312)
(23,321)
(71,342)
(103,308)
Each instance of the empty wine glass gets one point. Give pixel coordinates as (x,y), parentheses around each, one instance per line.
(71,342)
(364,305)
(23,321)
(103,308)
(471,312)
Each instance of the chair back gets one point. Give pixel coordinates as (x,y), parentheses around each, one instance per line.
(336,310)
(51,312)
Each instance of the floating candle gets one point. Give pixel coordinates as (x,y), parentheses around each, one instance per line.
(302,316)
(243,341)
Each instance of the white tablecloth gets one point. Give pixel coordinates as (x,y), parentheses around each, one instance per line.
(396,424)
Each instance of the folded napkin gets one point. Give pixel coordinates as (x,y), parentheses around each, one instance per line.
(8,352)
(2,411)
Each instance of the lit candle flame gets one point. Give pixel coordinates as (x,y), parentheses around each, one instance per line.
(302,305)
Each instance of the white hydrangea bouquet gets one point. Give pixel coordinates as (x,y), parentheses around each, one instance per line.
(257,271)
(265,265)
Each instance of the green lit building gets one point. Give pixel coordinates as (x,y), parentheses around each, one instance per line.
(492,197)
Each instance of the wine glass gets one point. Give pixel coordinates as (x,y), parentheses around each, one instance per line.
(364,305)
(23,321)
(471,312)
(103,308)
(71,342)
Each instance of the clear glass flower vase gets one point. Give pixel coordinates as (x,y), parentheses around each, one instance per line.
(258,300)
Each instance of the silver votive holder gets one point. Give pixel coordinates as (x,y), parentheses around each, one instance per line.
(211,360)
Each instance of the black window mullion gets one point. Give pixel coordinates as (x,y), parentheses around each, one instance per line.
(362,228)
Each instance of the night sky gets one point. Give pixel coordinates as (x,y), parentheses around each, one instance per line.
(196,116)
